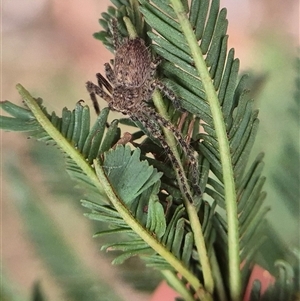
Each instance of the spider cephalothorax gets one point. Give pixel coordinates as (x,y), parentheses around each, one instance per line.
(130,85)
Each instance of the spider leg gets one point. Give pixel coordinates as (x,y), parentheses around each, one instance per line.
(115,33)
(109,73)
(103,81)
(97,90)
(166,91)
(153,66)
(153,115)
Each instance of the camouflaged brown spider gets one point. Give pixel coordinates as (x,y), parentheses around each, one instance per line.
(130,85)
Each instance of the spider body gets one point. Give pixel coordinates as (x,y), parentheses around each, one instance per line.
(132,76)
(132,64)
(130,85)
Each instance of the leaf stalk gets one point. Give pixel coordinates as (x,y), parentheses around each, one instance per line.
(228,177)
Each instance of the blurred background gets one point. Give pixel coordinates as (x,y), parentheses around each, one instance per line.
(48,47)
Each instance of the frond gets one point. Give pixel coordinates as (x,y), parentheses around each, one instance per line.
(210,25)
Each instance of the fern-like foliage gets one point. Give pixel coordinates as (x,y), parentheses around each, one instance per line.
(137,194)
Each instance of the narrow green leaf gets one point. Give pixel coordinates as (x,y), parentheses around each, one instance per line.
(167,9)
(94,138)
(227,105)
(194,12)
(188,245)
(126,255)
(245,152)
(111,137)
(226,74)
(167,238)
(66,119)
(201,19)
(214,48)
(164,29)
(156,221)
(113,231)
(249,182)
(132,245)
(71,126)
(85,127)
(216,71)
(77,123)
(210,26)
(160,14)
(18,125)
(16,111)
(163,43)
(178,237)
(242,128)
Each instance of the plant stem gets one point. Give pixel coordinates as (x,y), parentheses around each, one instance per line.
(177,284)
(228,178)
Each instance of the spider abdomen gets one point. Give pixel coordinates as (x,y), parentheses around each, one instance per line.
(132,63)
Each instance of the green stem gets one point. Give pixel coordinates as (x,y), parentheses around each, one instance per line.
(191,210)
(219,283)
(178,285)
(228,178)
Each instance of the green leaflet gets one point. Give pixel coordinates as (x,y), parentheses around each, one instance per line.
(156,221)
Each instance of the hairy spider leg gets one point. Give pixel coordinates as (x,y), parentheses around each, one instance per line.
(153,66)
(115,32)
(93,90)
(156,133)
(166,91)
(109,72)
(102,81)
(185,147)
